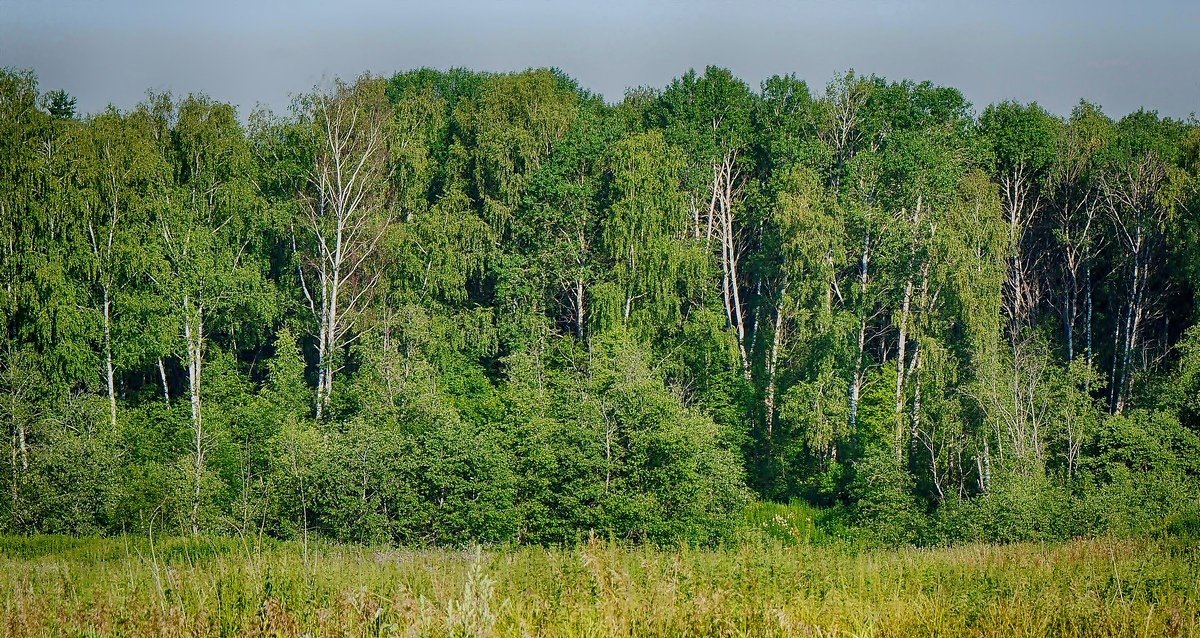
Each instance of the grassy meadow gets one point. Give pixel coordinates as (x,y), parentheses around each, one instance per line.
(60,586)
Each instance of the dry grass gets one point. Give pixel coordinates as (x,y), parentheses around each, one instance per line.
(124,587)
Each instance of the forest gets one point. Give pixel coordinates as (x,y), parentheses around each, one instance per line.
(452,307)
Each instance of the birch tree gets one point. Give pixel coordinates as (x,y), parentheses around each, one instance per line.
(205,236)
(807,234)
(1077,219)
(1140,202)
(645,236)
(709,116)
(1022,140)
(921,177)
(344,215)
(120,170)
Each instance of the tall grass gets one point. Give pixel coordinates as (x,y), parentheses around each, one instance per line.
(53,586)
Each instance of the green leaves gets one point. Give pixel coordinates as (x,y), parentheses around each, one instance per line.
(1021,137)
(644,237)
(547,314)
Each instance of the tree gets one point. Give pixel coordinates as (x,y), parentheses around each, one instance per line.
(709,117)
(121,170)
(1139,197)
(59,104)
(644,238)
(1076,226)
(807,237)
(1022,141)
(345,214)
(205,236)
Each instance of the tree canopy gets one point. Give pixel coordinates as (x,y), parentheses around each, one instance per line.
(450,306)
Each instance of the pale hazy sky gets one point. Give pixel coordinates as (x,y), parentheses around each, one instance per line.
(1120,54)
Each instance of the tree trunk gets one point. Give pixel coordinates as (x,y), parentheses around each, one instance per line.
(194,337)
(109,374)
(856,382)
(1069,320)
(580,318)
(721,207)
(1087,282)
(902,342)
(1131,337)
(1133,312)
(773,364)
(162,374)
(1112,369)
(900,369)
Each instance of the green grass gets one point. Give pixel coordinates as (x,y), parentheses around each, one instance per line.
(795,523)
(57,586)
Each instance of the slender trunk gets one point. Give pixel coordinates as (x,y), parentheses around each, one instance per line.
(322,362)
(721,215)
(1121,369)
(914,369)
(738,311)
(1131,321)
(856,381)
(902,343)
(1112,373)
(1131,339)
(109,374)
(1087,282)
(712,206)
(900,370)
(931,445)
(330,347)
(914,372)
(194,336)
(726,297)
(985,468)
(162,375)
(580,317)
(331,281)
(901,375)
(1069,319)
(1015,193)
(773,364)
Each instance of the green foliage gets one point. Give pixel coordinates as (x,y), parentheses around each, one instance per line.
(552,318)
(610,449)
(883,502)
(1022,138)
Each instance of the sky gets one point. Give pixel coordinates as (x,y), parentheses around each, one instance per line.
(1122,55)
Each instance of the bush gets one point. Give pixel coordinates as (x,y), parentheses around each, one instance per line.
(1016,508)
(884,505)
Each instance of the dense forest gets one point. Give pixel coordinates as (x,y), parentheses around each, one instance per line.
(450,306)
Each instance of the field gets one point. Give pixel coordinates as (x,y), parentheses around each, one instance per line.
(57,586)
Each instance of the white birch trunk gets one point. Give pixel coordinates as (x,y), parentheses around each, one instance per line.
(109,373)
(773,364)
(162,375)
(193,337)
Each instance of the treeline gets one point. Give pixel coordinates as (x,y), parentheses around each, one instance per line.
(452,306)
